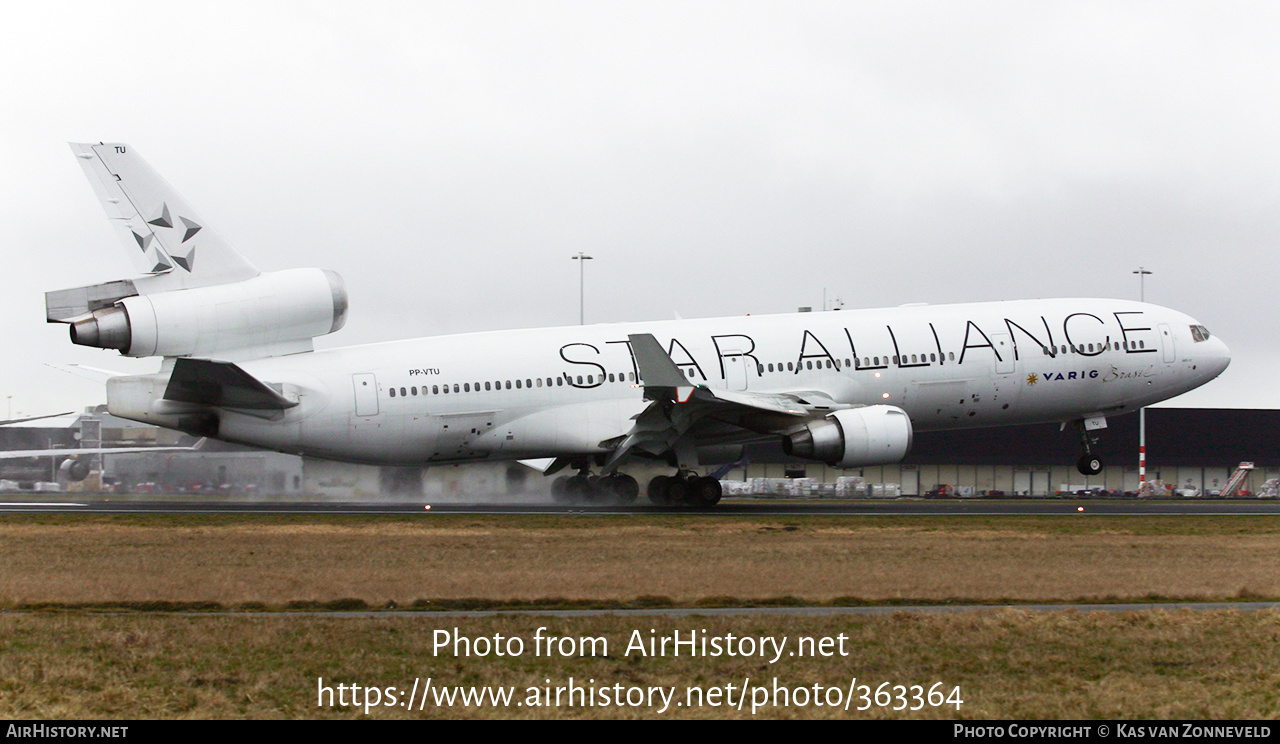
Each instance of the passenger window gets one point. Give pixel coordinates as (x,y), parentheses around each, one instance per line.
(528,383)
(393,394)
(466,387)
(455,387)
(435,389)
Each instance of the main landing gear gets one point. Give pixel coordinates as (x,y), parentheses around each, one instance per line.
(684,489)
(585,488)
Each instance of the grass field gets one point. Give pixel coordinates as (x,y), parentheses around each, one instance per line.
(77,661)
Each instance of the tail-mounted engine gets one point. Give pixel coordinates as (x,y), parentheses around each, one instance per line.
(272,313)
(854,437)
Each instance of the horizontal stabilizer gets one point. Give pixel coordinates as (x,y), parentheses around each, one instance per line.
(222,384)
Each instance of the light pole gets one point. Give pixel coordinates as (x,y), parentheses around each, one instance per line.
(1142,412)
(582,259)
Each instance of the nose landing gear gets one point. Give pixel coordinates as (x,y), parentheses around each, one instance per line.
(1089,463)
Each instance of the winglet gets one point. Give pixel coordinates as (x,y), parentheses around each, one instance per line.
(658,373)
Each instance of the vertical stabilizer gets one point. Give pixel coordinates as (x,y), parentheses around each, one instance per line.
(161,232)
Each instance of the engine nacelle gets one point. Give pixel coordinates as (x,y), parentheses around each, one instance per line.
(279,311)
(74,469)
(854,437)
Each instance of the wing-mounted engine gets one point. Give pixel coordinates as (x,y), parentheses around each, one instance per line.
(270,314)
(854,437)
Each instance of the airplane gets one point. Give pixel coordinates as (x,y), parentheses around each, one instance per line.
(847,387)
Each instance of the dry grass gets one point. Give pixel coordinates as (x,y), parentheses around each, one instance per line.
(1009,664)
(274,560)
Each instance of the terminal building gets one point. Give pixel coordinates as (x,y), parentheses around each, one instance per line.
(1191,452)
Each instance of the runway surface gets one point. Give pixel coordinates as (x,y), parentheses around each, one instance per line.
(26,503)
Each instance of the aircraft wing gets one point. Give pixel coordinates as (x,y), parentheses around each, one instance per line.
(35,418)
(677,404)
(663,380)
(224,384)
(71,451)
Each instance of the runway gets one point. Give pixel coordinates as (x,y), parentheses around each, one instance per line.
(728,508)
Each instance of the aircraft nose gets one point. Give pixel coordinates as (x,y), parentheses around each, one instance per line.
(1217,357)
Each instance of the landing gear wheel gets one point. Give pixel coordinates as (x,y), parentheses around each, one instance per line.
(658,490)
(577,488)
(1089,464)
(560,491)
(625,489)
(597,488)
(676,490)
(704,491)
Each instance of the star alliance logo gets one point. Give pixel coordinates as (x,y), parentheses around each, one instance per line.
(1032,379)
(159,259)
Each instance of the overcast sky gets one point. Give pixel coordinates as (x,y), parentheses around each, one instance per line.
(715,158)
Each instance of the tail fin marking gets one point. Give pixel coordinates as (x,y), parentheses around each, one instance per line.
(161,232)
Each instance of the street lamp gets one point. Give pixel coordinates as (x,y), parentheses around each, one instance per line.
(1142,412)
(582,259)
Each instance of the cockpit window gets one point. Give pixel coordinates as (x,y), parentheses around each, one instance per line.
(1199,333)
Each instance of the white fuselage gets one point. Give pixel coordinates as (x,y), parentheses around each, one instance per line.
(561,391)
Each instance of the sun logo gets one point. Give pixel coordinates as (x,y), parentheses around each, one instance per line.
(1032,379)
